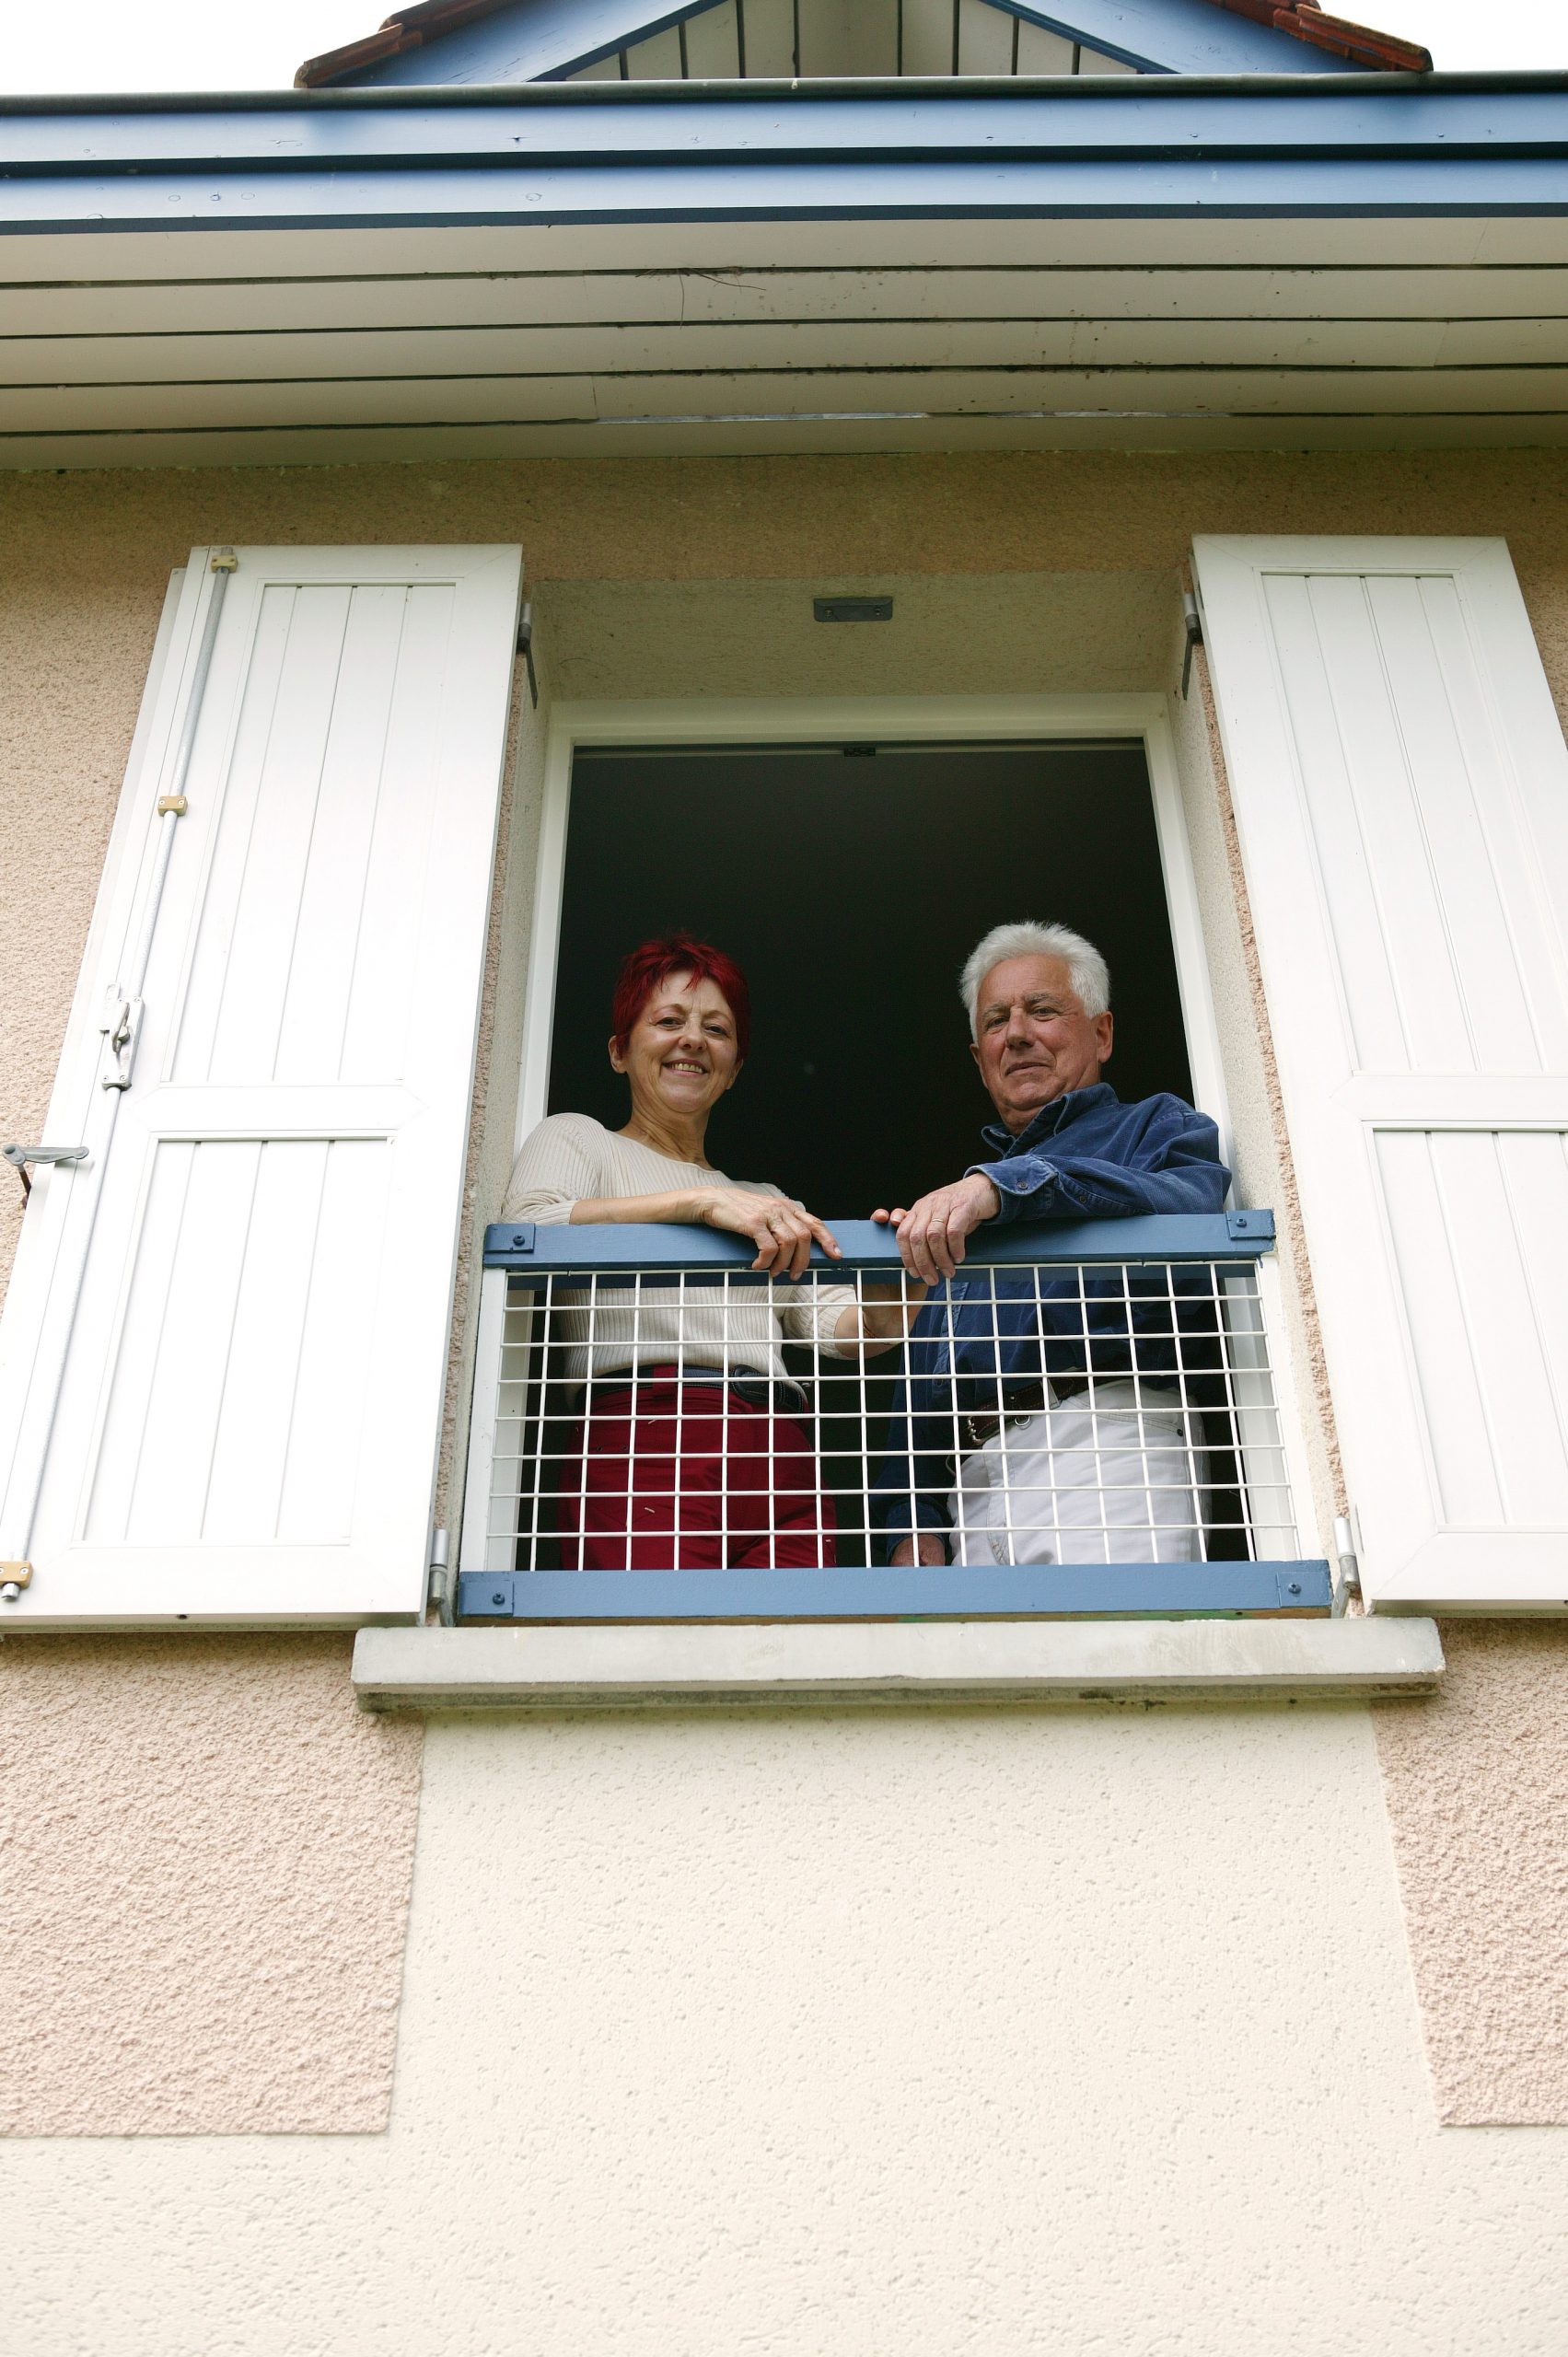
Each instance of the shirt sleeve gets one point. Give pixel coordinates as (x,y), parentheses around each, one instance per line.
(1173,1166)
(557,1167)
(809,1313)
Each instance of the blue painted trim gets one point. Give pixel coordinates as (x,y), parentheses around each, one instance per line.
(1153,150)
(620,1249)
(1177,36)
(1057,1591)
(1144,121)
(608,199)
(537,40)
(1411,151)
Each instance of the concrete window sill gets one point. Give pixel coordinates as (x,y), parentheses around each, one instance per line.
(813,1665)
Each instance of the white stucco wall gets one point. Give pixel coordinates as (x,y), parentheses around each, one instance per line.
(931,2033)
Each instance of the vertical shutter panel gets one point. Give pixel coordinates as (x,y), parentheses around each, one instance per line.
(250,1408)
(1400,785)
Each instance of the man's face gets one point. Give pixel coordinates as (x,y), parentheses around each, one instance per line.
(1034,1042)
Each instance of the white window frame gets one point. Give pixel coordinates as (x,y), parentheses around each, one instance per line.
(925,722)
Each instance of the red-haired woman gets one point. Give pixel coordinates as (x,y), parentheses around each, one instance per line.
(701,1461)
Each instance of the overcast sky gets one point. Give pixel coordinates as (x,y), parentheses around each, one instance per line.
(256,44)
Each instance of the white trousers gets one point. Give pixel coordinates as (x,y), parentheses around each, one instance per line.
(1096,1479)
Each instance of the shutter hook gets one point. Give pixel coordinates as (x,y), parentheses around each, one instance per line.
(19,1156)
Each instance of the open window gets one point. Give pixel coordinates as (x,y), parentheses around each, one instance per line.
(851,875)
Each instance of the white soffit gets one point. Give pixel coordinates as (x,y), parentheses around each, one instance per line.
(269,346)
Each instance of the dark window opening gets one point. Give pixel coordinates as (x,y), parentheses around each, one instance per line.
(851,883)
(850,890)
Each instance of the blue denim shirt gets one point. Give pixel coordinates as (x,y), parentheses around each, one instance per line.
(1084,1155)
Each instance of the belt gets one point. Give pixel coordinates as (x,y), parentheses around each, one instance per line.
(752,1391)
(1032,1399)
(1029,1399)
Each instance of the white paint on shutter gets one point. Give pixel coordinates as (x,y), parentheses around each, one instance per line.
(1400,784)
(247,1422)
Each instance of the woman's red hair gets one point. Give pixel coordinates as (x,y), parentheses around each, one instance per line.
(647,968)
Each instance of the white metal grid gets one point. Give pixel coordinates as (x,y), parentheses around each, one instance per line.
(658,1420)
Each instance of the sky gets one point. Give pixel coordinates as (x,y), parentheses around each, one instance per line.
(256,44)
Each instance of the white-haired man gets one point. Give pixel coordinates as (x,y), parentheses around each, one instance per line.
(1043,1420)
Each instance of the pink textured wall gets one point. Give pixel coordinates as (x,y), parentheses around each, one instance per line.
(203,1887)
(1477,1785)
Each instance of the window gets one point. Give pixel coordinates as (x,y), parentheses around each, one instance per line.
(852,875)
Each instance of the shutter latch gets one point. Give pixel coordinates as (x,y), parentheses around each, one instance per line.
(19,1156)
(1347,1556)
(13,1577)
(121,1028)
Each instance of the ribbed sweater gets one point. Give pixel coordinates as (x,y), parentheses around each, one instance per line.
(570,1158)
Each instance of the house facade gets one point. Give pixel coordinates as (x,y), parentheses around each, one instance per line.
(429,495)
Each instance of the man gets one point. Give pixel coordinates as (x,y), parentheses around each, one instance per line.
(1044,1419)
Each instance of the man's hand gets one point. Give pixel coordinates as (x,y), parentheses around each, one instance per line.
(931,1233)
(922,1551)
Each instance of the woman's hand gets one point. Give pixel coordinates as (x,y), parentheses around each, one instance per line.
(782,1230)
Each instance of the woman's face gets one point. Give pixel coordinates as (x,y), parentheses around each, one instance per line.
(682,1053)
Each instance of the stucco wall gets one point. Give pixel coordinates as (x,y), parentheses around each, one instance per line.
(203,1888)
(1478,1799)
(1033,572)
(942,2032)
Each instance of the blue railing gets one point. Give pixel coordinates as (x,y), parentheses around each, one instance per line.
(868,1249)
(550,1266)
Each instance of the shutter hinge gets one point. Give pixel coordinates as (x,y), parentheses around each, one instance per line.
(436,1593)
(121,1028)
(1348,1563)
(525,648)
(13,1577)
(1193,620)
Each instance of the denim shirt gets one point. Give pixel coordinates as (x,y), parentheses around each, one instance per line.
(1084,1155)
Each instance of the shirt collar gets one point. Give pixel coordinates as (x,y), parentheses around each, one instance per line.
(1050,1118)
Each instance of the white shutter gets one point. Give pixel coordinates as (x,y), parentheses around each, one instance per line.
(1400,785)
(245,1294)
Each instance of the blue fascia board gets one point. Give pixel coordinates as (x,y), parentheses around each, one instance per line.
(1025,1592)
(1177,37)
(1150,120)
(537,40)
(1313,190)
(616,1248)
(1153,149)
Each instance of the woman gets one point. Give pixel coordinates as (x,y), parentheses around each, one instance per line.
(704,1462)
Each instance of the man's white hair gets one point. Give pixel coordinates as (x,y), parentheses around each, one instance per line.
(1086,970)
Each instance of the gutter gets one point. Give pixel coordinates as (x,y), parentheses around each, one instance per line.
(1088,89)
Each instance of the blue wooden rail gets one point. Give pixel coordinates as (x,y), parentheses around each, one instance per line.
(1043,1592)
(623,1251)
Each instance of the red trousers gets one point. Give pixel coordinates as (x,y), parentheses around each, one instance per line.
(742,1493)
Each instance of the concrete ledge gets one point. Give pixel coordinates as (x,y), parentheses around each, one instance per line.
(817,1663)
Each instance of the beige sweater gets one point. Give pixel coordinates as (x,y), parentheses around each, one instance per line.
(571,1157)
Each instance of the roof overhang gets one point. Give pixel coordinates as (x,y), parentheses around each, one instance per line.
(720,267)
